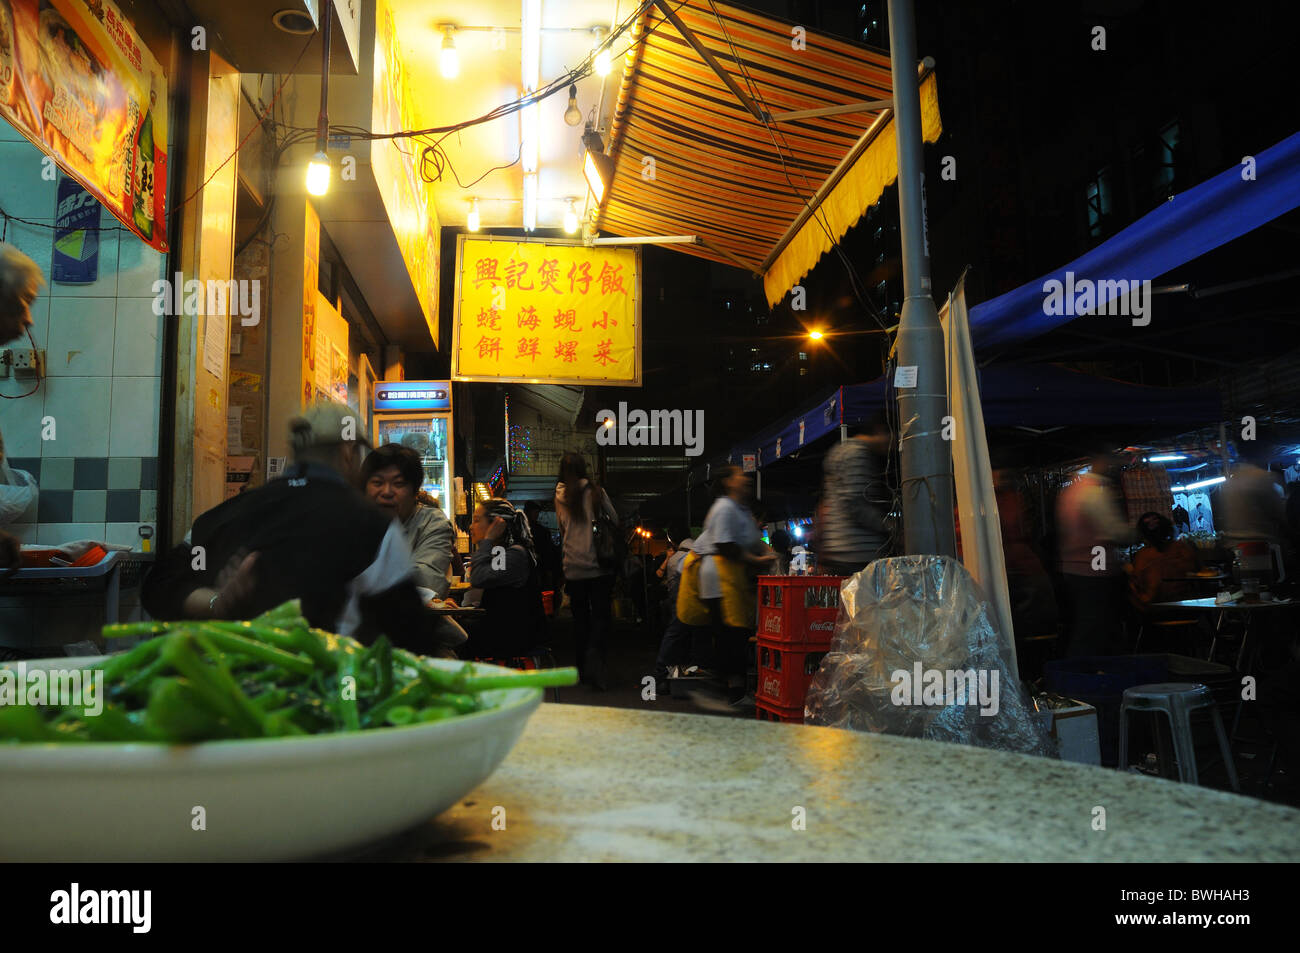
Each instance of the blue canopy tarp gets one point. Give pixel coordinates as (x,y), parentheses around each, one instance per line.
(1028,395)
(1185,227)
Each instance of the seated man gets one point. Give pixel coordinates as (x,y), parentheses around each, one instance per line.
(503,579)
(1161,566)
(310,536)
(391,477)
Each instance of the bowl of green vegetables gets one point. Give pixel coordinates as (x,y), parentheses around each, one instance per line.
(258,740)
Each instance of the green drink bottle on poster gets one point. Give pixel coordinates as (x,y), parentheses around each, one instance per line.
(142,181)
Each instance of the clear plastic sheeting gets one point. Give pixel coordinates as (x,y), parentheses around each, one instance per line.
(914,654)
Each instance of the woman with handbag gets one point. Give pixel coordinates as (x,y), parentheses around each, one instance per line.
(589,534)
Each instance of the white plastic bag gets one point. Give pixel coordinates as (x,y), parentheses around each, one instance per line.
(18,495)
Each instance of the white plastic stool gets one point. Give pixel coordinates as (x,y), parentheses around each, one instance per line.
(1177,700)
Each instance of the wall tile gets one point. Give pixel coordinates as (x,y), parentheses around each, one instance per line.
(23,191)
(35,241)
(128,534)
(90,473)
(80,408)
(105,283)
(138,267)
(31,464)
(89,505)
(148,506)
(55,534)
(57,473)
(137,346)
(21,424)
(26,532)
(55,506)
(134,429)
(123,506)
(124,473)
(149,473)
(81,337)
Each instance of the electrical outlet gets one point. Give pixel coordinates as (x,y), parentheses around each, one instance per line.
(28,361)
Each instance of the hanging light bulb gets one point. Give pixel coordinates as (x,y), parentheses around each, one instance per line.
(571,219)
(573,115)
(471,222)
(449,63)
(318,174)
(602,64)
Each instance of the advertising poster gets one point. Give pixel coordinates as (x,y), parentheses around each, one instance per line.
(77,80)
(76,235)
(546,312)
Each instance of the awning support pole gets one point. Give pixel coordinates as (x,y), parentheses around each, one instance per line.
(689,36)
(927,482)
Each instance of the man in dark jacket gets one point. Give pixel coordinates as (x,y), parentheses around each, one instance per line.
(309,535)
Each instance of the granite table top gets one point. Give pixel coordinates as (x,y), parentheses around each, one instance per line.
(588,783)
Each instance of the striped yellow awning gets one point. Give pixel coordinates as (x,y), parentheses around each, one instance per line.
(690,159)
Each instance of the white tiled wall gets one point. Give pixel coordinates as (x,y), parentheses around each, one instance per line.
(103,349)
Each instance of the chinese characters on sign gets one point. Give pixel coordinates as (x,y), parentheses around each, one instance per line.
(551,313)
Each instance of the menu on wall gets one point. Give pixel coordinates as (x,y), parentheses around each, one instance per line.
(77,80)
(546,312)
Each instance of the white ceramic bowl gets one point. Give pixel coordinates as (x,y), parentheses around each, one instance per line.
(263,799)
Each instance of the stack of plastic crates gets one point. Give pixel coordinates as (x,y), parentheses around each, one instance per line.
(796,621)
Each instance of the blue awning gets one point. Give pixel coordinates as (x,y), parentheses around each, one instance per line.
(1028,395)
(1187,226)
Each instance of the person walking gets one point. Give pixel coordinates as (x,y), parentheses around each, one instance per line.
(728,555)
(1091,531)
(578,501)
(851,530)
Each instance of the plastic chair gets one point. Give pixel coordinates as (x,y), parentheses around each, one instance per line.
(1177,700)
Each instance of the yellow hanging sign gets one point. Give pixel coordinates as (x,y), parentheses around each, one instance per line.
(547,313)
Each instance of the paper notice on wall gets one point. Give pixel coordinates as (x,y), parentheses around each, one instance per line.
(214,345)
(905,375)
(235,427)
(238,472)
(274,467)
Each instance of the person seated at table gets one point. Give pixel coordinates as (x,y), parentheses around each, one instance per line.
(1161,565)
(309,535)
(503,580)
(391,476)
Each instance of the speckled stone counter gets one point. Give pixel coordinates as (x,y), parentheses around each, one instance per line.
(605,784)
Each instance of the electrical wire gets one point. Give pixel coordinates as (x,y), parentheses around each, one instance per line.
(242,142)
(891,406)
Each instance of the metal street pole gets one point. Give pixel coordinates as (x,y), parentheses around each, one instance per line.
(926,462)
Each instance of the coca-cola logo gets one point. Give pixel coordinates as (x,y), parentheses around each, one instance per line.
(772,687)
(821,626)
(773,624)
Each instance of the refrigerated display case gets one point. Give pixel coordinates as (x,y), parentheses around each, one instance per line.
(417,414)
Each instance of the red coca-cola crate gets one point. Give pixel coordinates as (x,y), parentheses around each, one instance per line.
(798,610)
(765,712)
(784,673)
